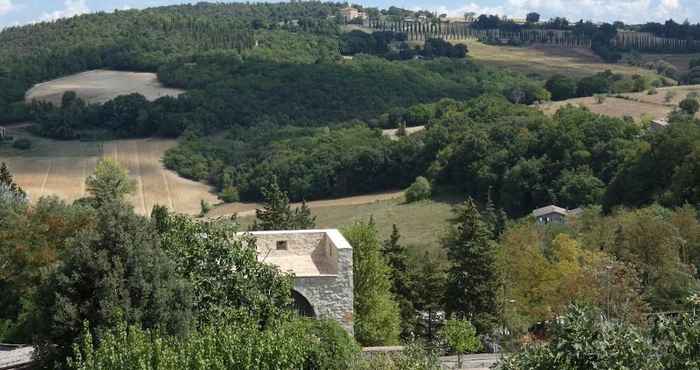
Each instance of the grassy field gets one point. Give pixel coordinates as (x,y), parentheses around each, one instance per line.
(545,61)
(100,86)
(636,105)
(60,168)
(421,224)
(680,61)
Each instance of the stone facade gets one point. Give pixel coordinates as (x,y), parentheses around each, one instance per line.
(321,261)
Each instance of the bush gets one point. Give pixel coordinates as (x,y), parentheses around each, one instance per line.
(230,194)
(335,349)
(582,340)
(230,346)
(419,190)
(561,87)
(690,106)
(22,144)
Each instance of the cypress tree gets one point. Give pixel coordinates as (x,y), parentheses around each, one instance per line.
(277,213)
(472,277)
(376,313)
(396,257)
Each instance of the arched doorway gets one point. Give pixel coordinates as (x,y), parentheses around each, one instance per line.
(301,305)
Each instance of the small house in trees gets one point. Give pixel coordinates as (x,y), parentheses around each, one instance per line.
(554,214)
(321,261)
(658,124)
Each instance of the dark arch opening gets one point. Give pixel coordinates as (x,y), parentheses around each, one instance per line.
(301,305)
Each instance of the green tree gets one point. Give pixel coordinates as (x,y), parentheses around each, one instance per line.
(532,17)
(8,183)
(429,283)
(472,277)
(396,257)
(689,106)
(110,182)
(561,87)
(223,268)
(460,336)
(419,190)
(277,214)
(377,320)
(112,272)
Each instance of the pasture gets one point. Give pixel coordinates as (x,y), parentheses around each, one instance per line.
(545,61)
(60,167)
(100,86)
(421,224)
(639,105)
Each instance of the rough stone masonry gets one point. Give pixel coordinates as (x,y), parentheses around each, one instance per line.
(321,261)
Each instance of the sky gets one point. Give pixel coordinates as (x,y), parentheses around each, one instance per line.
(18,12)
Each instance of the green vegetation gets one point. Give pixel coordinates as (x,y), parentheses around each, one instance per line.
(419,190)
(460,335)
(376,311)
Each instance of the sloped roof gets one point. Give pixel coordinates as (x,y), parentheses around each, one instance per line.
(549,210)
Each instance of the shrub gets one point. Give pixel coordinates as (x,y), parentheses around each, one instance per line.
(230,346)
(690,106)
(230,194)
(669,96)
(335,348)
(22,144)
(583,340)
(561,87)
(652,91)
(419,190)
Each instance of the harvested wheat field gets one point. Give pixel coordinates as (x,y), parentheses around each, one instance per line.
(640,106)
(546,60)
(60,168)
(100,86)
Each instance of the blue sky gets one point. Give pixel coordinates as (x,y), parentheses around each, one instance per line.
(14,12)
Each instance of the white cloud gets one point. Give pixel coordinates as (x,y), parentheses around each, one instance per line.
(71,8)
(6,6)
(630,11)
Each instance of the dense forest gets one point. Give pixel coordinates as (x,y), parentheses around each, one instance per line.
(143,40)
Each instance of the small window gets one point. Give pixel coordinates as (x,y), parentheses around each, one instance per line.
(281,245)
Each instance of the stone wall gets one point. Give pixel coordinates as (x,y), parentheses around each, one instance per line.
(331,296)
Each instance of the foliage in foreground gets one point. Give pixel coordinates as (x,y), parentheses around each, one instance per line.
(584,339)
(376,315)
(296,344)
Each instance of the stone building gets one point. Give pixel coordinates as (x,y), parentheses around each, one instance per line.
(349,13)
(321,261)
(554,214)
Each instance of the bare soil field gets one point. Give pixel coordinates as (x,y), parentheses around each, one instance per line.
(547,60)
(60,168)
(99,86)
(636,105)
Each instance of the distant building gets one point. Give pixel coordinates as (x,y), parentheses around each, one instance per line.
(554,214)
(658,124)
(321,261)
(350,13)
